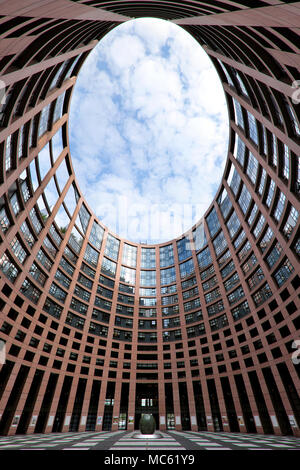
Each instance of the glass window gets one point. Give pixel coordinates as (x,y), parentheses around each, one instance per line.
(199,238)
(215,308)
(252,168)
(59,107)
(15,205)
(283,273)
(167,276)
(219,322)
(262,181)
(62,279)
(147,292)
(45,261)
(244,251)
(226,72)
(30,291)
(279,207)
(55,235)
(212,222)
(84,217)
(105,304)
(129,255)
(112,247)
(252,214)
(53,308)
(223,259)
(275,151)
(107,282)
(72,67)
(8,268)
(183,249)
(286,162)
(108,267)
(252,128)
(96,235)
(239,239)
(147,302)
(170,299)
(85,281)
(204,258)
(220,243)
(239,150)
(127,275)
(265,242)
(104,292)
(70,255)
(244,199)
(148,258)
(228,269)
(166,256)
(274,255)
(234,182)
(262,295)
(186,268)
(4,221)
(233,224)
(241,84)
(82,293)
(213,295)
(43,123)
(57,292)
(57,144)
(91,255)
(293,119)
(249,264)
(256,278)
(190,293)
(148,278)
(238,113)
(50,247)
(8,153)
(265,140)
(208,272)
(259,226)
(291,222)
(225,203)
(240,311)
(270,195)
(191,305)
(231,282)
(18,250)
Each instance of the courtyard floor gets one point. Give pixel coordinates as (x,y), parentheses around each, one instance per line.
(170,441)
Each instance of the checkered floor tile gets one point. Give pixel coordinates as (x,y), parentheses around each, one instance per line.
(170,440)
(129,442)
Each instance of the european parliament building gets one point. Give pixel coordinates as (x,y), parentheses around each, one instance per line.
(201,331)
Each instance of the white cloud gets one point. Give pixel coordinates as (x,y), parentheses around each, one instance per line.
(148,124)
(123,52)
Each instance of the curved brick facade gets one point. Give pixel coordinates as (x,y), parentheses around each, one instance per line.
(97,329)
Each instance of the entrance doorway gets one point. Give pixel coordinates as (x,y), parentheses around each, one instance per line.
(146,402)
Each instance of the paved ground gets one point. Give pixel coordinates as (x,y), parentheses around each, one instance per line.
(171,441)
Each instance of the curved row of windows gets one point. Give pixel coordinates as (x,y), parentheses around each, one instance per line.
(222,298)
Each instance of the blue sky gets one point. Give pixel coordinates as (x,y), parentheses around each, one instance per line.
(148,130)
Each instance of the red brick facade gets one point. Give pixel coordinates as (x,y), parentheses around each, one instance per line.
(213,344)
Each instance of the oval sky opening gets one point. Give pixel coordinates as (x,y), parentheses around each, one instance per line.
(148,130)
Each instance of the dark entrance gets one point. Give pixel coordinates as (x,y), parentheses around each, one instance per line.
(146,401)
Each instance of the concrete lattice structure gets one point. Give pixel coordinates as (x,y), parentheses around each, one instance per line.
(209,343)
